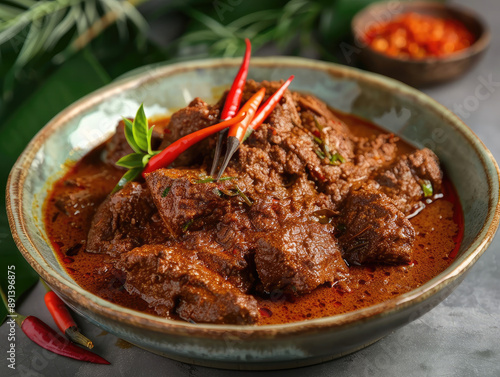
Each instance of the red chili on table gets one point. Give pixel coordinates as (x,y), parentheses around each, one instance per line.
(43,335)
(62,317)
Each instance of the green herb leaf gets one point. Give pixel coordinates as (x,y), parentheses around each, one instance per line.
(145,160)
(245,198)
(426,187)
(318,126)
(210,179)
(150,135)
(318,140)
(140,129)
(320,154)
(165,192)
(337,159)
(129,176)
(187,225)
(129,135)
(133,160)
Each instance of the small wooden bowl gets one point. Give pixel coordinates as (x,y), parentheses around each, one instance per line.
(421,72)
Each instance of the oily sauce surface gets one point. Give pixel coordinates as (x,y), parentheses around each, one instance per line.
(439,229)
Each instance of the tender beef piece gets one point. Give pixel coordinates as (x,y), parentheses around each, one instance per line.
(185,204)
(125,220)
(225,250)
(402,182)
(298,258)
(376,232)
(117,147)
(284,147)
(197,115)
(174,281)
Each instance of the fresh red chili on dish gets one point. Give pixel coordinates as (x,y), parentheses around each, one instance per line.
(237,132)
(267,108)
(233,100)
(169,154)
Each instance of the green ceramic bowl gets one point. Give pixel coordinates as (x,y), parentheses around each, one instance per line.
(398,108)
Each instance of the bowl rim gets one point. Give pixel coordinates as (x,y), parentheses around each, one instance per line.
(70,289)
(479,45)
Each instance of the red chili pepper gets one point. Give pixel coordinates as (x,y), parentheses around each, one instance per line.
(237,132)
(268,106)
(251,106)
(63,319)
(233,100)
(170,153)
(40,333)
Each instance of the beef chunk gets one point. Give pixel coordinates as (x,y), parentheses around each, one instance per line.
(403,181)
(125,220)
(186,204)
(118,147)
(173,281)
(298,258)
(375,230)
(197,115)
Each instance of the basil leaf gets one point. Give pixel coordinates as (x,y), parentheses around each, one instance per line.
(129,135)
(129,176)
(150,135)
(140,129)
(133,160)
(145,159)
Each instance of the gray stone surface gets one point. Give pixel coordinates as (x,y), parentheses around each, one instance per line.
(460,337)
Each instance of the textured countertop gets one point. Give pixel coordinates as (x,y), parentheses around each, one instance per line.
(460,337)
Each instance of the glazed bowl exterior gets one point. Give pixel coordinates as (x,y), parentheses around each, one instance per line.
(163,89)
(422,72)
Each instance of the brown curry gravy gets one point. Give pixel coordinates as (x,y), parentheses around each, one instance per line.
(439,229)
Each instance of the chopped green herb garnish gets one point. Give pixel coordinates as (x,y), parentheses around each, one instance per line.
(236,192)
(187,225)
(337,159)
(426,187)
(318,140)
(320,154)
(319,126)
(210,179)
(165,192)
(245,198)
